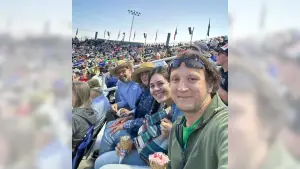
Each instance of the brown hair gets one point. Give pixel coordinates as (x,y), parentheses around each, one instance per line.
(159,70)
(212,75)
(82,93)
(93,83)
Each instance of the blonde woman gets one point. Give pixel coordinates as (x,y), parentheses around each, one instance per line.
(82,114)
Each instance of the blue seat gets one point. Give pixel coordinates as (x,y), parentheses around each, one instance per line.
(97,130)
(86,145)
(82,147)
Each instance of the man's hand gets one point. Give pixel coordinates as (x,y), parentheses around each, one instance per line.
(118,149)
(123,120)
(118,121)
(124,112)
(116,128)
(165,126)
(114,107)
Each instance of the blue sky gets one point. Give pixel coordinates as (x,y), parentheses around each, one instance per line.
(161,15)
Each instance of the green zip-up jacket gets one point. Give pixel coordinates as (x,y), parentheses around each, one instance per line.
(207,146)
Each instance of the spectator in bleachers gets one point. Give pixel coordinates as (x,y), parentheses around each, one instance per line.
(158,123)
(83,116)
(100,103)
(143,104)
(111,81)
(200,138)
(203,49)
(222,60)
(133,120)
(213,54)
(128,90)
(92,74)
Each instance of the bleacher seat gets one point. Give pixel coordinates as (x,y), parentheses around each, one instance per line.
(86,145)
(82,147)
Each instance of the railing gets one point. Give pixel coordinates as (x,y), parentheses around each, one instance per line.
(155,61)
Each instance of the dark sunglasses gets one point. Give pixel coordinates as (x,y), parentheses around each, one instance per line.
(195,63)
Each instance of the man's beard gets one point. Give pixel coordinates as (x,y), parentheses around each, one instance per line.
(124,79)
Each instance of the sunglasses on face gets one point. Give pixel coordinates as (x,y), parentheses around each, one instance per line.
(195,63)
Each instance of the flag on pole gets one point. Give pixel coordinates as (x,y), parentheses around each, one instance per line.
(77,32)
(123,36)
(208,28)
(175,33)
(134,36)
(104,33)
(119,34)
(156,35)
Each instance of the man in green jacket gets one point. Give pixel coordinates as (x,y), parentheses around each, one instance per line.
(199,139)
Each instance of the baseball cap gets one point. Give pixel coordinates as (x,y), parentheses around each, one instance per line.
(223,49)
(201,47)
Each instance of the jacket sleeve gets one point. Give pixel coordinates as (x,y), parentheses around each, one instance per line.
(172,136)
(75,126)
(222,142)
(133,123)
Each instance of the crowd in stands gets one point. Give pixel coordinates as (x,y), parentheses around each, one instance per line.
(186,102)
(190,91)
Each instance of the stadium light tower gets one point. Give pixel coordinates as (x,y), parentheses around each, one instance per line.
(133,13)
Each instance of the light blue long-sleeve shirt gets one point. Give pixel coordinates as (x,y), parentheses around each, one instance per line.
(101,105)
(128,93)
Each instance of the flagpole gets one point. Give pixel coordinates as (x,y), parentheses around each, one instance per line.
(173,43)
(192,36)
(208,29)
(175,37)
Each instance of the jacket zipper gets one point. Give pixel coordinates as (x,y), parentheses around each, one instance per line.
(185,146)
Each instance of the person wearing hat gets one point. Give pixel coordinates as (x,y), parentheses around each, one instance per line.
(203,49)
(100,103)
(131,121)
(222,60)
(93,74)
(128,90)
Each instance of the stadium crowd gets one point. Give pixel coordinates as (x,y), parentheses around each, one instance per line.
(156,86)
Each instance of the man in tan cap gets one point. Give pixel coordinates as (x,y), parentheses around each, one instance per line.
(128,90)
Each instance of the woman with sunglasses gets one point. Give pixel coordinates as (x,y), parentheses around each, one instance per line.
(154,133)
